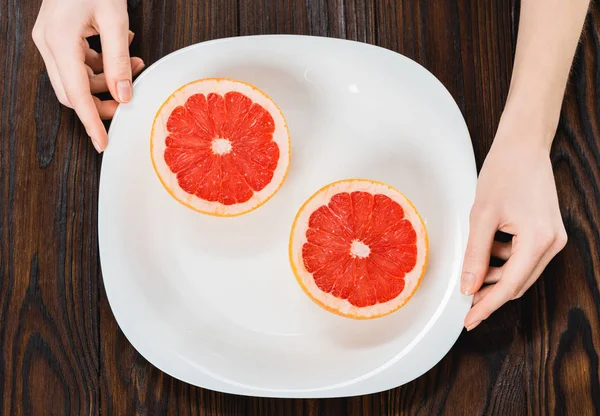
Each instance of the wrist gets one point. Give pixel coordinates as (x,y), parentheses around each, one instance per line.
(530,121)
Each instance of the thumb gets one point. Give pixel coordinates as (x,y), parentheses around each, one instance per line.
(479,249)
(114,36)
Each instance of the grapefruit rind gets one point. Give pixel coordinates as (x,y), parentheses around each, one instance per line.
(221,86)
(341,306)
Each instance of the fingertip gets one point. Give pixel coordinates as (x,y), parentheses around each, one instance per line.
(124,91)
(99,148)
(467,283)
(473,318)
(98,137)
(116,58)
(472,325)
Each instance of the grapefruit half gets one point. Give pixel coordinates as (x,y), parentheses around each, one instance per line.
(359,248)
(220,147)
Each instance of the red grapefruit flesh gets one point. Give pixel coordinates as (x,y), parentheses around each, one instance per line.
(220,146)
(359,248)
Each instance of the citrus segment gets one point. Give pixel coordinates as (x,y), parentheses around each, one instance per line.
(359,248)
(220,146)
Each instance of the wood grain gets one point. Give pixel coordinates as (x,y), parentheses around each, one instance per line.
(49,277)
(61,351)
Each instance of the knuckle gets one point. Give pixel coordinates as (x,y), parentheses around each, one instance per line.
(121,20)
(51,37)
(561,239)
(56,35)
(37,34)
(543,238)
(64,100)
(515,291)
(120,65)
(473,264)
(113,15)
(74,95)
(486,312)
(475,261)
(480,211)
(475,212)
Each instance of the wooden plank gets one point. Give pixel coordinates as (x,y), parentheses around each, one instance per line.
(48,247)
(61,351)
(563,324)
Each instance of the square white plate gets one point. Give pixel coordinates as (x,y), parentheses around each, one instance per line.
(213,301)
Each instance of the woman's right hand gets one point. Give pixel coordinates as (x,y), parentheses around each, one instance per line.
(75,70)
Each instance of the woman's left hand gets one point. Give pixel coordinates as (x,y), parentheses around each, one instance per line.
(516,194)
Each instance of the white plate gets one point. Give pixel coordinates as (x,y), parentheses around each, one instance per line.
(213,301)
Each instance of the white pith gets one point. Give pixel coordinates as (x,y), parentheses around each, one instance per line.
(221,146)
(360,249)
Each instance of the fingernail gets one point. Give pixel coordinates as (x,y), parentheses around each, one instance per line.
(96,145)
(473,325)
(124,91)
(466,283)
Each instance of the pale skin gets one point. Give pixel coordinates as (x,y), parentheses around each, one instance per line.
(76,71)
(516,192)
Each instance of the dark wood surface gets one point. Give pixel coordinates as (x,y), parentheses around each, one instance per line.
(61,351)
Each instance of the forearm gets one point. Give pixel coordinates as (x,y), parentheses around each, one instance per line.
(549,31)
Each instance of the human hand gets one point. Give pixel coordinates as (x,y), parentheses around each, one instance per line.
(75,70)
(516,194)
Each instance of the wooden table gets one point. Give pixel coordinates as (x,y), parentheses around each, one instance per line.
(61,351)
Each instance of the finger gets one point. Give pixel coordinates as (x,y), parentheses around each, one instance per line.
(481,293)
(75,79)
(477,256)
(106,109)
(137,65)
(113,26)
(52,71)
(57,84)
(93,59)
(98,81)
(493,275)
(501,250)
(558,244)
(515,273)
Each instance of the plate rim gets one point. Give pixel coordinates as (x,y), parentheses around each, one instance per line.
(350,387)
